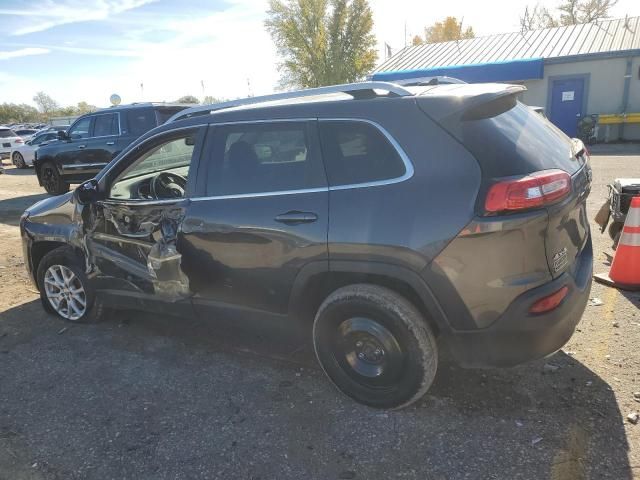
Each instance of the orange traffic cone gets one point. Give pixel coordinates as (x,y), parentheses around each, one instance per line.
(625,268)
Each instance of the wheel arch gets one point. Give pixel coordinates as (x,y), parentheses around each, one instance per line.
(39,249)
(316,282)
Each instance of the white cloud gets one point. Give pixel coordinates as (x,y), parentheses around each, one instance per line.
(23,52)
(45,14)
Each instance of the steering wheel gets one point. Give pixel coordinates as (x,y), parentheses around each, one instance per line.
(168,185)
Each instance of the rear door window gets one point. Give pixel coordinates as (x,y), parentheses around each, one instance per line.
(6,133)
(105,125)
(357,152)
(262,158)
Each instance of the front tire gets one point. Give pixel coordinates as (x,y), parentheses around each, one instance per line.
(18,160)
(65,290)
(52,180)
(375,346)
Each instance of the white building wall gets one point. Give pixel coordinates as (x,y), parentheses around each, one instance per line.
(605,94)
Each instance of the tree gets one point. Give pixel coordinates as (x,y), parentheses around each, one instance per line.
(586,11)
(322,42)
(537,17)
(188,99)
(45,103)
(445,31)
(12,113)
(209,99)
(572,12)
(84,107)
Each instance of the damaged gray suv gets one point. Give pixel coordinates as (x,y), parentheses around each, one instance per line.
(396,221)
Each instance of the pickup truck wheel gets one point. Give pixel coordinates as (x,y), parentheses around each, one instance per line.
(51,179)
(375,346)
(18,160)
(64,288)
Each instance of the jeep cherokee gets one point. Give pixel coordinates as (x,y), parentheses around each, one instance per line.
(396,220)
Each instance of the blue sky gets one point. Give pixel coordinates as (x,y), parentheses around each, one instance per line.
(88,49)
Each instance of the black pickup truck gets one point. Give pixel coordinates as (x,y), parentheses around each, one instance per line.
(93,140)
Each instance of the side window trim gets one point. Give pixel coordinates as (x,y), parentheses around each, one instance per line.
(408,166)
(203,172)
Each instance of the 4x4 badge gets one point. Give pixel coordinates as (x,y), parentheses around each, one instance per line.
(560,260)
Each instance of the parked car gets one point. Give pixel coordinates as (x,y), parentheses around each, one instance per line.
(392,221)
(26,133)
(22,157)
(93,141)
(8,141)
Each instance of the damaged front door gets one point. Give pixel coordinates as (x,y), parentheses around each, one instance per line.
(132,234)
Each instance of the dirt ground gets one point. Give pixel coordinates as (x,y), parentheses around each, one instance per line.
(141,397)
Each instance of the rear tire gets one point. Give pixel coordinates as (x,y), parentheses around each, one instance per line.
(18,160)
(52,180)
(375,346)
(65,290)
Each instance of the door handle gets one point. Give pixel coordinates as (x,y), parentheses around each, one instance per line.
(111,143)
(81,146)
(296,218)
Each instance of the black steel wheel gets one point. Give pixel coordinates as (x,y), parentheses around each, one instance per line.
(375,346)
(18,160)
(51,180)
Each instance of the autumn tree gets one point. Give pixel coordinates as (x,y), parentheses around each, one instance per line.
(445,31)
(18,113)
(322,42)
(83,107)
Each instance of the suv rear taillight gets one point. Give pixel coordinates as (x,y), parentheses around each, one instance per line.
(19,140)
(534,190)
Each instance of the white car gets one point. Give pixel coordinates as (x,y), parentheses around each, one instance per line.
(22,156)
(9,140)
(25,133)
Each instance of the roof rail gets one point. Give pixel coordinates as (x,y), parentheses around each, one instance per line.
(356,90)
(423,81)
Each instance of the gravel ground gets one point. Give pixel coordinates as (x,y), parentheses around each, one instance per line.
(138,397)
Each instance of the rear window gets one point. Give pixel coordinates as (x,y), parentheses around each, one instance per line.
(165,113)
(357,152)
(6,133)
(141,120)
(25,132)
(517,142)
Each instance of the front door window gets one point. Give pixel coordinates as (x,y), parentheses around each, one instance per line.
(159,173)
(80,129)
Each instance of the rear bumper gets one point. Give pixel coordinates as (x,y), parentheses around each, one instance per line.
(518,336)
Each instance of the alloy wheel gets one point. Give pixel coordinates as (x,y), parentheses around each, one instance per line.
(18,160)
(65,292)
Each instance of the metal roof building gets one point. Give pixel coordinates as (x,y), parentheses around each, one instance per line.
(572,71)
